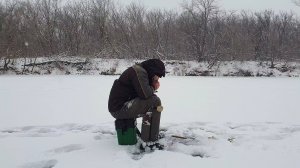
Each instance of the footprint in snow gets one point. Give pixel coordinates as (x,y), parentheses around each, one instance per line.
(41,164)
(104,134)
(66,149)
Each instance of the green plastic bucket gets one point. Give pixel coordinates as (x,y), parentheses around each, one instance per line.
(126,131)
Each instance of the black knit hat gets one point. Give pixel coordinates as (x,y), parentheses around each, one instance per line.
(154,67)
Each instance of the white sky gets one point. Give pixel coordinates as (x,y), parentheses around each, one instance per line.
(236,5)
(252,5)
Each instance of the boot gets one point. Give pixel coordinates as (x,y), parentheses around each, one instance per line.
(151,146)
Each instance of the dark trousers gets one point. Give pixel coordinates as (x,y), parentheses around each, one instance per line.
(146,108)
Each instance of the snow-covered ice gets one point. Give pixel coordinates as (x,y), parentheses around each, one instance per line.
(63,122)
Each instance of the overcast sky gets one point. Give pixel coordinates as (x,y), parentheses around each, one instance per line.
(252,5)
(236,5)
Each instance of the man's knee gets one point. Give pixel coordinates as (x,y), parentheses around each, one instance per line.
(156,101)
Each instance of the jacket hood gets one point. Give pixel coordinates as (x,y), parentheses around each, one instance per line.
(154,67)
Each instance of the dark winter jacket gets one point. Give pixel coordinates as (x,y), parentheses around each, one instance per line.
(135,82)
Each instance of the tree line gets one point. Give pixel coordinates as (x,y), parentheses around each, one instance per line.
(100,28)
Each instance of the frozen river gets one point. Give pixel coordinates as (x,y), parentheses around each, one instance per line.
(50,100)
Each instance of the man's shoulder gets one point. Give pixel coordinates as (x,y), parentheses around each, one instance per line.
(135,70)
(138,68)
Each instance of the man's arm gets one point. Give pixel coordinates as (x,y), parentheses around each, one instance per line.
(141,83)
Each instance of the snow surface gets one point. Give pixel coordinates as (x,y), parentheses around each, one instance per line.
(63,122)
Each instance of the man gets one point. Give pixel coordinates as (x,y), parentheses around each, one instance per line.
(133,96)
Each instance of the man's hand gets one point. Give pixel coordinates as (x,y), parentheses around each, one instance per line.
(155,82)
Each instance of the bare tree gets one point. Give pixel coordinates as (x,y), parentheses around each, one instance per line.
(47,13)
(262,35)
(196,21)
(9,30)
(1,15)
(99,11)
(154,21)
(100,28)
(71,23)
(296,2)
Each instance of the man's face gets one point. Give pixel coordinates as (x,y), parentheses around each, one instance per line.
(155,78)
